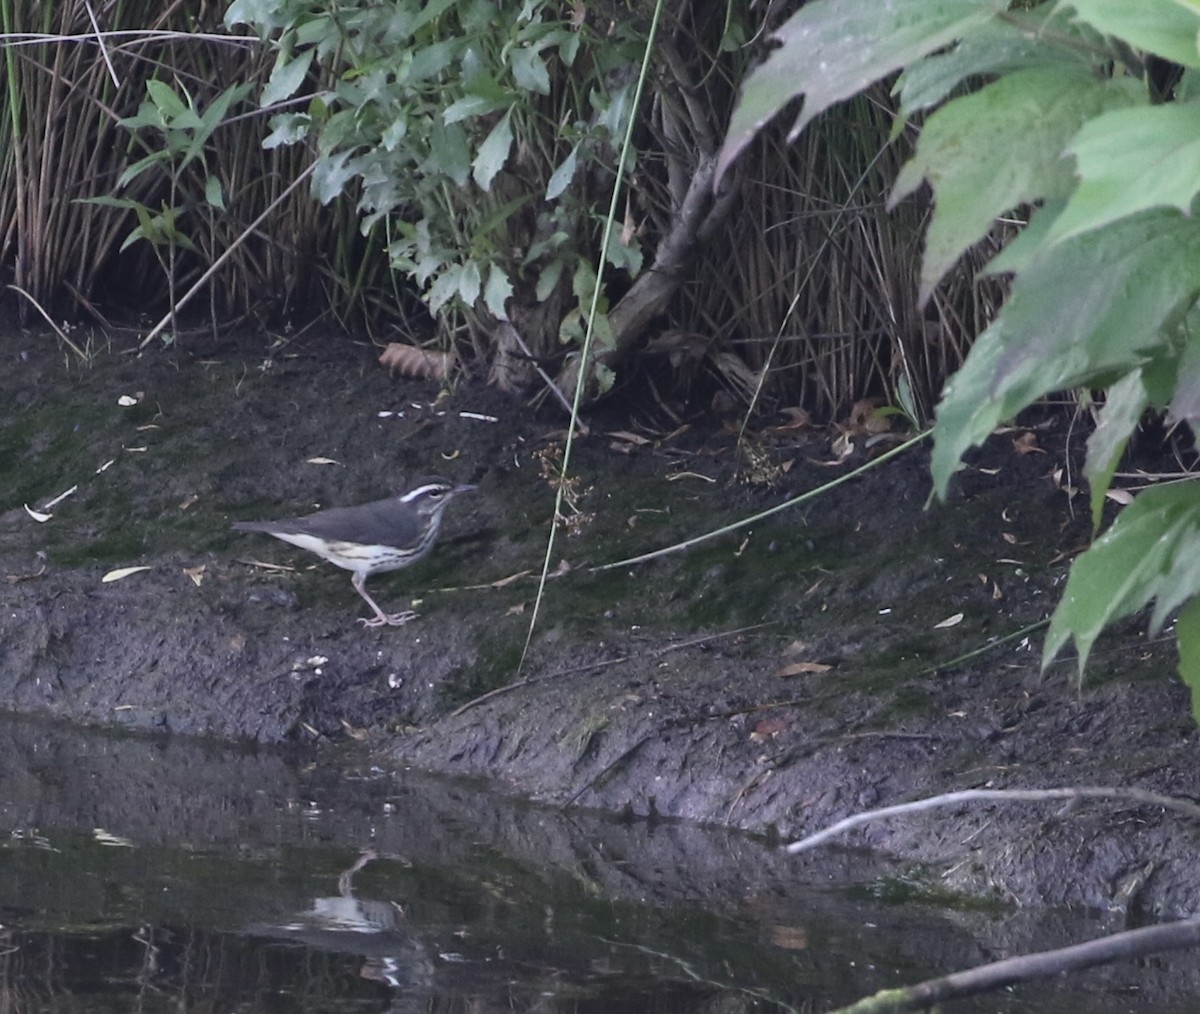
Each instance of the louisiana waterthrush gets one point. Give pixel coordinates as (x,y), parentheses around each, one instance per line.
(371,538)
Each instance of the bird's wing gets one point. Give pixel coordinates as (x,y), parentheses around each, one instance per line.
(382,523)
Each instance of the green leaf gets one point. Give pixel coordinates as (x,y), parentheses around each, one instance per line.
(445,287)
(431,10)
(286,78)
(214,196)
(1184,395)
(493,153)
(1124,404)
(471,106)
(1187,634)
(1029,243)
(1083,312)
(497,292)
(448,155)
(251,12)
(287,128)
(1151,551)
(112,202)
(165,99)
(622,255)
(583,282)
(529,70)
(561,178)
(429,61)
(470,282)
(1130,160)
(548,279)
(1021,40)
(832,49)
(1162,27)
(331,175)
(131,173)
(603,338)
(1002,146)
(605,377)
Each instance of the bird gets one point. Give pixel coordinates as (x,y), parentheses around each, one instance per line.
(371,538)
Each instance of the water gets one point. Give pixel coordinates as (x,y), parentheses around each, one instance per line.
(146,875)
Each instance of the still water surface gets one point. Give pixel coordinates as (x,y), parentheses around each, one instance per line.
(171,875)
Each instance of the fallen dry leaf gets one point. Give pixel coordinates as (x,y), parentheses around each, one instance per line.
(949,621)
(121,573)
(353,731)
(861,412)
(768,728)
(789,938)
(1121,496)
(196,574)
(412,361)
(1026,443)
(630,438)
(321,461)
(516,610)
(842,447)
(18,578)
(800,668)
(798,419)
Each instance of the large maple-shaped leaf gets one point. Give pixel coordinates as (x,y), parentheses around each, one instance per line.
(1166,28)
(988,152)
(1084,311)
(1129,160)
(832,49)
(1151,553)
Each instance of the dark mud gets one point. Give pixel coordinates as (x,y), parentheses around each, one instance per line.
(655,689)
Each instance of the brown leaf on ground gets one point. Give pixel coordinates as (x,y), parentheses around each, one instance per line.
(412,361)
(1026,443)
(766,729)
(800,668)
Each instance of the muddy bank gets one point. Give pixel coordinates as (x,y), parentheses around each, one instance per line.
(773,680)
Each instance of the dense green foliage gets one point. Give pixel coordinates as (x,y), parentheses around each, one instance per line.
(484,139)
(1060,106)
(122,188)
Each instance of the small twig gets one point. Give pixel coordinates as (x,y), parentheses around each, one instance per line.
(810,495)
(990,646)
(1129,944)
(1131,795)
(112,71)
(57,330)
(186,297)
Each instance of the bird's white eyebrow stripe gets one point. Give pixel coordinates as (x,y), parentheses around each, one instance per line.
(414,493)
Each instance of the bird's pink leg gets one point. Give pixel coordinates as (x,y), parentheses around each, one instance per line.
(380,619)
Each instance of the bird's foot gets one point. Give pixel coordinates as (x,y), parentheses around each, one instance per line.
(389,620)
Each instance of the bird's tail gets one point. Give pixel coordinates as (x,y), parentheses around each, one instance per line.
(252,526)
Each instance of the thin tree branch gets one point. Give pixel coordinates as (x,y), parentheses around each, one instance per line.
(1129,795)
